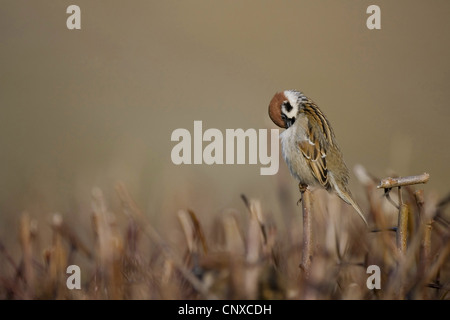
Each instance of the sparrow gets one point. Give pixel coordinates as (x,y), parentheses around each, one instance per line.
(309,145)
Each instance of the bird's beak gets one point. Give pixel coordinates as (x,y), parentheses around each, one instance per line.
(289,122)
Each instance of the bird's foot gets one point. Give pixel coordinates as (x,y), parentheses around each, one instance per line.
(302,188)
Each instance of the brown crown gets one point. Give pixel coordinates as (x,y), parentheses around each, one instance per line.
(275,109)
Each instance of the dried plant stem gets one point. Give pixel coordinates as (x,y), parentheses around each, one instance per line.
(389,183)
(130,208)
(25,239)
(199,234)
(426,221)
(426,242)
(422,238)
(307,232)
(402,230)
(109,246)
(440,261)
(256,238)
(252,257)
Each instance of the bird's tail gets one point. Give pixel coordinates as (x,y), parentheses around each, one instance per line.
(358,209)
(348,199)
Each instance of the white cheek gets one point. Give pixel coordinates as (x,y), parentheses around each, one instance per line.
(291,114)
(292,96)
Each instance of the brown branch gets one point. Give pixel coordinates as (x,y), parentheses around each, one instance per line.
(307,232)
(388,183)
(199,234)
(402,230)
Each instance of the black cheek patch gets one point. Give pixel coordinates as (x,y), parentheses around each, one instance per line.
(287,106)
(289,122)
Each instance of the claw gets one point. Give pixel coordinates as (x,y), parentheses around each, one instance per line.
(302,187)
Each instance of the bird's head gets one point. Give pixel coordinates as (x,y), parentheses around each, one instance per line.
(284,107)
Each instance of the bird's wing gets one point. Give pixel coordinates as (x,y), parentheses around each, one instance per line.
(320,138)
(316,159)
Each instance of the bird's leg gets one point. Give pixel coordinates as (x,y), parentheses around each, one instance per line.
(302,187)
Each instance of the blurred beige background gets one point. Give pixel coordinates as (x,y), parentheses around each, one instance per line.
(92,107)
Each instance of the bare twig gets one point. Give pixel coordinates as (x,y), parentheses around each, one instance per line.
(402,230)
(403,181)
(389,183)
(307,232)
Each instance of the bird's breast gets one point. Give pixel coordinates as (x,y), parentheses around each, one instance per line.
(293,156)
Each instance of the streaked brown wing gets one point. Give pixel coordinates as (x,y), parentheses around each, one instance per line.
(320,139)
(316,159)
